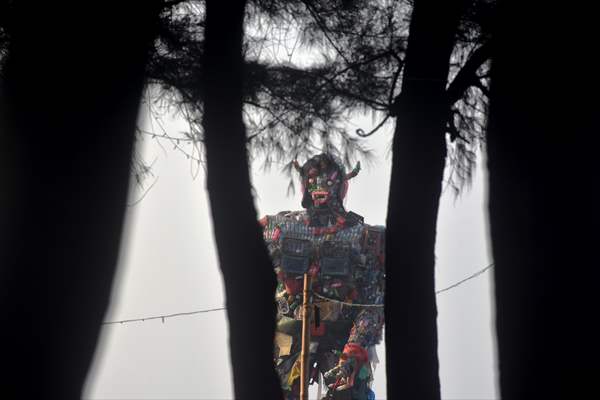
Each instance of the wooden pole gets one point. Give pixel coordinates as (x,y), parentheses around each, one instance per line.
(305,353)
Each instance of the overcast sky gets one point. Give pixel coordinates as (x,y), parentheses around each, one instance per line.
(168,265)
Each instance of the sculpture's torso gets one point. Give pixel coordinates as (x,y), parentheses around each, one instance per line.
(345,262)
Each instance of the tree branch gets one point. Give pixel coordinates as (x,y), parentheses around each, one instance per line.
(362,133)
(467,76)
(324,29)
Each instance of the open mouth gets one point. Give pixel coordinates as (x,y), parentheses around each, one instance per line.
(320,197)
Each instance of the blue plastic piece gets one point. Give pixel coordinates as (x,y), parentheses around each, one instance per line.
(371,395)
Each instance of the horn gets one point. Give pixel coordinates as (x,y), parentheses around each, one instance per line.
(297,166)
(354,172)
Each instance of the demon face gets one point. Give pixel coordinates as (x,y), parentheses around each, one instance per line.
(324,182)
(323,185)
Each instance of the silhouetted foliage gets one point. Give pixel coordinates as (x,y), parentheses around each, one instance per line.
(284,112)
(310,67)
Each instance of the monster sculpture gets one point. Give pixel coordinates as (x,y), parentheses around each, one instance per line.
(344,258)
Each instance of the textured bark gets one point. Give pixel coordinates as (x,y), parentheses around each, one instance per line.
(543,139)
(70,97)
(419,150)
(247,269)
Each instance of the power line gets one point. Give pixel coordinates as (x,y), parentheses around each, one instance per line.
(481,271)
(476,274)
(329,299)
(163,317)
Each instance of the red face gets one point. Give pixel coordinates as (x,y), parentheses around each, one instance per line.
(323,185)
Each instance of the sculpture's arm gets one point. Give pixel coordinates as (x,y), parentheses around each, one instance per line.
(368,323)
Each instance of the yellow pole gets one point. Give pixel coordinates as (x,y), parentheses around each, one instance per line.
(305,352)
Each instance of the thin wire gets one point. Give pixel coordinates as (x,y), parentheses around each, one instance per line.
(481,271)
(476,274)
(163,317)
(345,303)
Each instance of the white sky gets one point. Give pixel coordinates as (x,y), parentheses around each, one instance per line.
(168,265)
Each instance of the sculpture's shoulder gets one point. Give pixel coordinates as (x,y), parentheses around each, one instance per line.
(374,240)
(272,224)
(285,217)
(353,219)
(375,229)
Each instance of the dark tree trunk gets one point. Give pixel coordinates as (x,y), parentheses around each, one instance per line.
(543,201)
(70,96)
(243,258)
(419,150)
